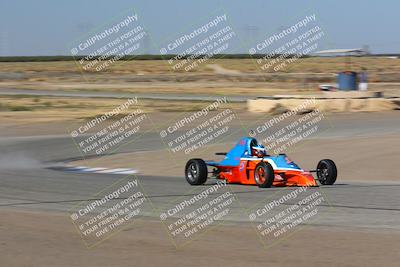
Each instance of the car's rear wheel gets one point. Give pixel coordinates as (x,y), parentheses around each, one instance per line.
(196,172)
(264,175)
(326,172)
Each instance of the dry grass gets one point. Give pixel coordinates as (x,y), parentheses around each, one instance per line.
(155,76)
(309,65)
(34,109)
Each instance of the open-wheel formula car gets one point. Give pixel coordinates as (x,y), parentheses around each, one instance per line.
(248,163)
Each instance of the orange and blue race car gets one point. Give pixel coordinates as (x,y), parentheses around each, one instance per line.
(248,163)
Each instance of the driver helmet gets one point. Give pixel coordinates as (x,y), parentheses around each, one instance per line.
(258,151)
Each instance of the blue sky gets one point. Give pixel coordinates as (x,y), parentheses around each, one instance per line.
(48,27)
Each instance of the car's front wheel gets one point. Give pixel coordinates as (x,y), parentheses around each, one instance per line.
(196,172)
(264,175)
(326,172)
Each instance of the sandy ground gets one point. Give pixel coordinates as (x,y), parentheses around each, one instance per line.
(43,239)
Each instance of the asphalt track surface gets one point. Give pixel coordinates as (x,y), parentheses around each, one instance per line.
(28,182)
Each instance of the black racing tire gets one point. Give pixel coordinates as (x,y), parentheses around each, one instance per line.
(196,172)
(264,175)
(326,172)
